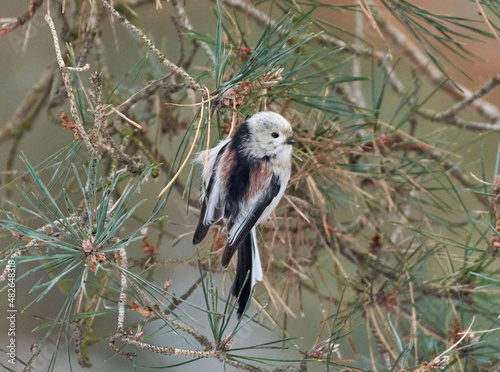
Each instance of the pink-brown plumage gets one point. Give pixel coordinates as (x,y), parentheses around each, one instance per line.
(260,178)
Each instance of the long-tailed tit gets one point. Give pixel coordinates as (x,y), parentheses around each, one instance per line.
(244,178)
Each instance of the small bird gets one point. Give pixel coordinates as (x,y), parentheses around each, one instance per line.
(243,180)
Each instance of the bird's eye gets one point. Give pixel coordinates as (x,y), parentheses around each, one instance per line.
(275,134)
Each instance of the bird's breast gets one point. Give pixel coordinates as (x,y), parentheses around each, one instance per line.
(260,177)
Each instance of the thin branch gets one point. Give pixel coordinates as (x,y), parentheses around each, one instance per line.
(116,153)
(186,352)
(29,108)
(8,268)
(424,65)
(79,69)
(69,88)
(203,340)
(457,92)
(356,63)
(181,13)
(402,141)
(19,21)
(193,144)
(452,111)
(161,57)
(178,300)
(460,123)
(123,289)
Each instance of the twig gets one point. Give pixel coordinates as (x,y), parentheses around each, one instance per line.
(181,12)
(464,335)
(79,69)
(356,63)
(148,91)
(172,351)
(203,340)
(198,127)
(164,164)
(178,300)
(161,57)
(250,11)
(423,64)
(209,352)
(494,247)
(116,153)
(457,92)
(130,121)
(449,116)
(19,21)
(69,88)
(123,289)
(180,36)
(76,327)
(29,108)
(99,117)
(382,342)
(413,336)
(487,21)
(124,355)
(17,253)
(461,123)
(187,352)
(452,111)
(370,345)
(402,141)
(100,55)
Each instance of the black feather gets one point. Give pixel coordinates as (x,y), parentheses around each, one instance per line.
(201,230)
(249,224)
(242,285)
(239,178)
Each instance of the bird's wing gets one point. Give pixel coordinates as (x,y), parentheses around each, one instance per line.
(211,207)
(260,204)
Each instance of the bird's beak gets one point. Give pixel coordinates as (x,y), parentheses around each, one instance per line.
(290,141)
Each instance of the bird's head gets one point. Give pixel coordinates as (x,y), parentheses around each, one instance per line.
(270,136)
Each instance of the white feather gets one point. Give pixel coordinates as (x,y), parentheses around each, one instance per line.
(214,199)
(256,265)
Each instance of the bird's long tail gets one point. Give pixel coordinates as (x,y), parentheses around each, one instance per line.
(248,271)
